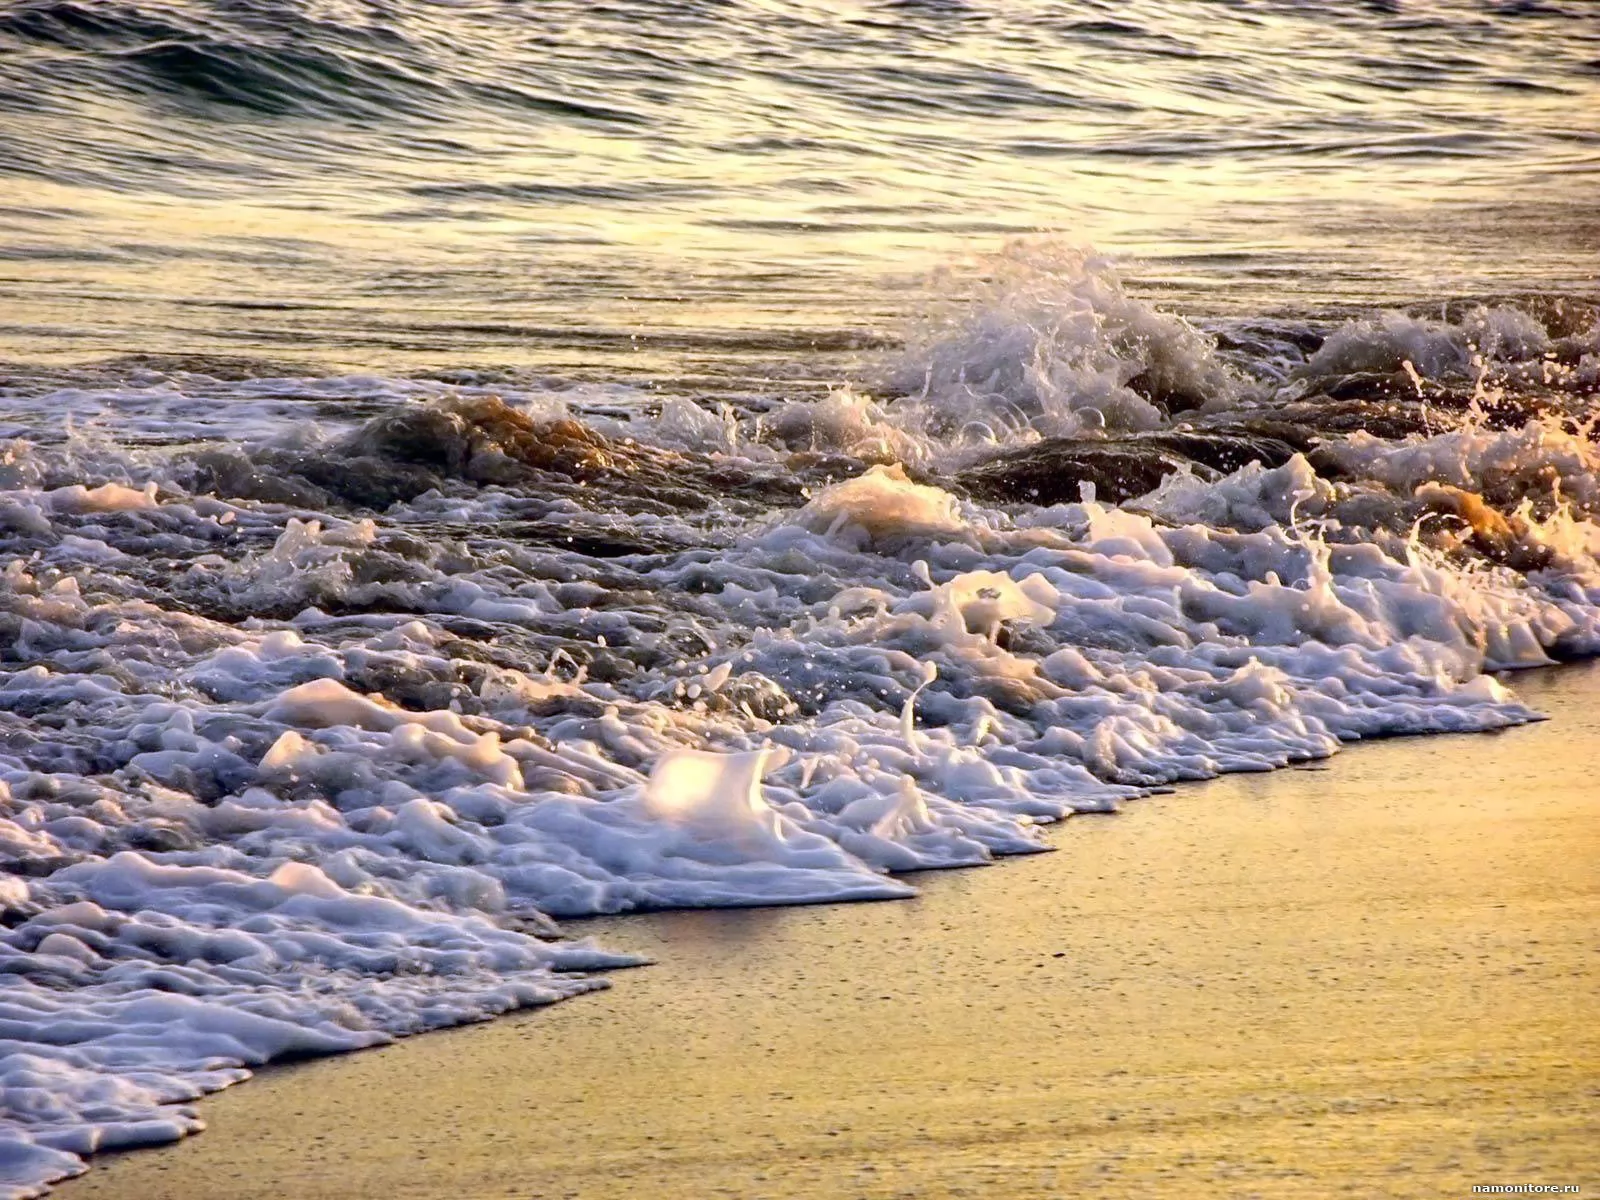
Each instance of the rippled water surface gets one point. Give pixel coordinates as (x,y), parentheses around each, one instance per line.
(715,188)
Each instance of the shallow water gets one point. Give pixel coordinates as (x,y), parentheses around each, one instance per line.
(469,466)
(1261,985)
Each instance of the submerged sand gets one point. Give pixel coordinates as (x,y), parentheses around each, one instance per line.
(1376,978)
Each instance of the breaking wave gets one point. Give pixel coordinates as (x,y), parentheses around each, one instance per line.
(321,697)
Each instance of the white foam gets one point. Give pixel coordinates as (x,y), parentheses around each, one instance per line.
(1054,345)
(284,781)
(137,987)
(883,505)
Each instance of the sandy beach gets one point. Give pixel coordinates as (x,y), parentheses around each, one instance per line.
(1373,978)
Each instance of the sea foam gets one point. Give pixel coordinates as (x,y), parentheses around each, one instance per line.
(285,772)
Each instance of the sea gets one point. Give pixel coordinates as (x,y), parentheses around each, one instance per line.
(468,464)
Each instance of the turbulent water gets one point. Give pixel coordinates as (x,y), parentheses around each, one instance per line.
(468,465)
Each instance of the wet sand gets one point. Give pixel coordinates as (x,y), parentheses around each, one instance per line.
(1376,978)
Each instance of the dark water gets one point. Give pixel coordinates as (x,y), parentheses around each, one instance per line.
(718,189)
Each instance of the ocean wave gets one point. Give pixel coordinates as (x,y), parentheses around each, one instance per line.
(477,183)
(320,701)
(273,80)
(379,70)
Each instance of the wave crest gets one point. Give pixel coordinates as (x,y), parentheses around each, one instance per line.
(1053,344)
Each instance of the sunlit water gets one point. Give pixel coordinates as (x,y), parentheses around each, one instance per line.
(471,464)
(687,187)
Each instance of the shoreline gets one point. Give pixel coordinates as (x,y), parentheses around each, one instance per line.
(1379,980)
